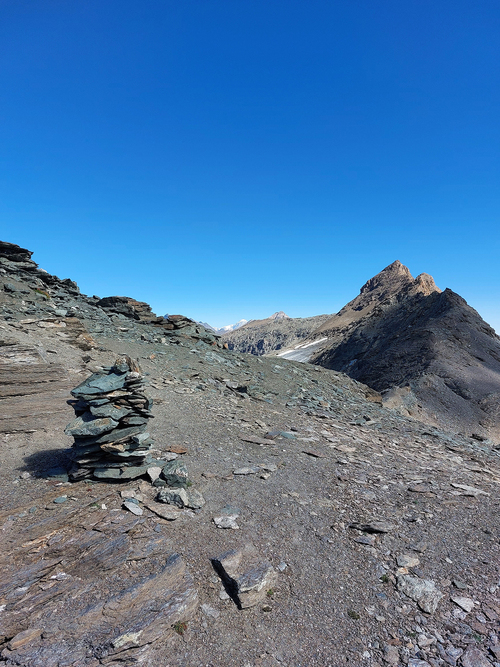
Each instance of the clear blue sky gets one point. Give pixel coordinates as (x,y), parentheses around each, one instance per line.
(229,158)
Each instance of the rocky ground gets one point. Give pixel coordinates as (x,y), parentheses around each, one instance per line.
(374,538)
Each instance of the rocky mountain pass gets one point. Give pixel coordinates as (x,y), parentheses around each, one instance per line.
(194,505)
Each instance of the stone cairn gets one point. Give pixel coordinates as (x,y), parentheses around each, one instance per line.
(110,428)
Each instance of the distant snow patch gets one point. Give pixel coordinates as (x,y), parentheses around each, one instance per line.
(302,352)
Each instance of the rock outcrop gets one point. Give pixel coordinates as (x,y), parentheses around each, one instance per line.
(93,596)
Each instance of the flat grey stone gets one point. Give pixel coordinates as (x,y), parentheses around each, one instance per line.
(109,410)
(422,591)
(226,521)
(373,527)
(111,437)
(131,472)
(167,512)
(251,470)
(464,603)
(133,507)
(98,383)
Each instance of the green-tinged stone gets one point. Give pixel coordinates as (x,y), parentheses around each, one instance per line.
(195,499)
(175,474)
(109,410)
(116,473)
(87,425)
(98,383)
(113,436)
(132,453)
(177,497)
(95,402)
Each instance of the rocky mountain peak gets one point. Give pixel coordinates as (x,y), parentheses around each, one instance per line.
(280,315)
(393,277)
(395,280)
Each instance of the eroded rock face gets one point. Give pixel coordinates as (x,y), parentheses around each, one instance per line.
(31,387)
(32,296)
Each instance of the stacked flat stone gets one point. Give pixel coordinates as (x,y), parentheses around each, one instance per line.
(110,428)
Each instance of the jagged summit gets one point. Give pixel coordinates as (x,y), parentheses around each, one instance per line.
(392,276)
(395,278)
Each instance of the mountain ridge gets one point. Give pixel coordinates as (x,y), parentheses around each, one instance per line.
(316,501)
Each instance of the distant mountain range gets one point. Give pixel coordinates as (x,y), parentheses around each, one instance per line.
(280,315)
(273,333)
(223,330)
(231,327)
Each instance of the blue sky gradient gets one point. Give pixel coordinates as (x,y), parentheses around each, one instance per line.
(225,160)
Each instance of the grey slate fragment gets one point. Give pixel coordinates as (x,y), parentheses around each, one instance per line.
(250,470)
(110,410)
(112,436)
(133,507)
(373,527)
(124,473)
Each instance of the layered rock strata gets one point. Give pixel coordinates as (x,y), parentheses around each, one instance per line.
(30,296)
(112,412)
(87,595)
